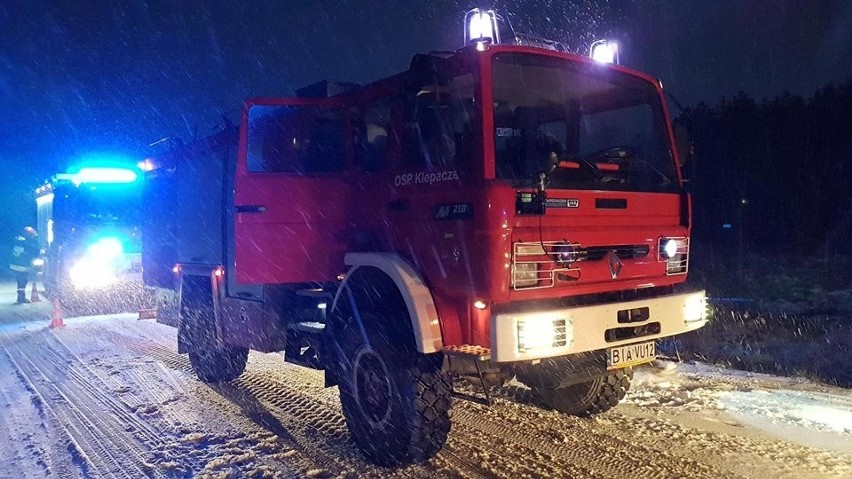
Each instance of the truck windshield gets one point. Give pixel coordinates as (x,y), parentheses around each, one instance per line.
(585,126)
(99,207)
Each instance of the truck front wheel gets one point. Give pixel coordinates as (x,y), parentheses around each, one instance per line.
(591,397)
(396,400)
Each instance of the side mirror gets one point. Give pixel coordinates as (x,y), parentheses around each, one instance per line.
(682,143)
(685,151)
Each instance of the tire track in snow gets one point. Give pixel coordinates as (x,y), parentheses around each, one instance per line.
(580,453)
(271,386)
(598,452)
(514,438)
(21,444)
(317,426)
(300,401)
(675,448)
(161,357)
(297,426)
(89,380)
(316,415)
(98,448)
(200,449)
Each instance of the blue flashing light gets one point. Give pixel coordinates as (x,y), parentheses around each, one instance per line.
(104,175)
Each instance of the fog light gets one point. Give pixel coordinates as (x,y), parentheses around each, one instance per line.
(542,332)
(695,308)
(524,274)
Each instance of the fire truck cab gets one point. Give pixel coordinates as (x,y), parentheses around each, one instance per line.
(508,210)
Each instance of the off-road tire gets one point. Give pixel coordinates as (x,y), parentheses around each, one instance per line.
(218,363)
(591,397)
(415,393)
(212,362)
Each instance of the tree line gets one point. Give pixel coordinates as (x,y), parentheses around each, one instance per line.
(774,176)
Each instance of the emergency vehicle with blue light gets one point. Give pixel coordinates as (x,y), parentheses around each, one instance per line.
(89,219)
(507,210)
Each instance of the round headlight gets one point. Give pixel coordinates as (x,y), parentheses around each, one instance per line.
(670,248)
(565,254)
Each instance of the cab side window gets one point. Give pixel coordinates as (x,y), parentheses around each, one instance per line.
(295,139)
(373,133)
(440,125)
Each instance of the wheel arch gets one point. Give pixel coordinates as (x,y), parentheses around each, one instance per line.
(410,285)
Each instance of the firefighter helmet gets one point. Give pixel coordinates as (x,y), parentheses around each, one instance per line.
(30,232)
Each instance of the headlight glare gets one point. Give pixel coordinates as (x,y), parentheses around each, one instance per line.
(542,332)
(670,248)
(695,308)
(88,273)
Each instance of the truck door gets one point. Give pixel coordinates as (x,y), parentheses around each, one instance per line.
(431,203)
(290,200)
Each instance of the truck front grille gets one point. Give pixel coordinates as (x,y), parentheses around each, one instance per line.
(539,264)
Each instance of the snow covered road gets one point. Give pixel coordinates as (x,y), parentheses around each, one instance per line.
(109,396)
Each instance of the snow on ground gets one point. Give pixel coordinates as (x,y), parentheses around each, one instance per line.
(108,396)
(793,409)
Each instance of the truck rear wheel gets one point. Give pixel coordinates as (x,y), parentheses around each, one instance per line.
(212,361)
(396,400)
(591,397)
(219,363)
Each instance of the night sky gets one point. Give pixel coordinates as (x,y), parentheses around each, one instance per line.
(85,76)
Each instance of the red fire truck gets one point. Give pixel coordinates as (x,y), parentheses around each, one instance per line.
(508,210)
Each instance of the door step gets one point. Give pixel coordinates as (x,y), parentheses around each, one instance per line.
(476,355)
(469,351)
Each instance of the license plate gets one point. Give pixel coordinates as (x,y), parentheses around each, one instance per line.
(631,355)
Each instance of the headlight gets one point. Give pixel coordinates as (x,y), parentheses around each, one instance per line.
(524,274)
(542,332)
(90,273)
(695,308)
(670,248)
(566,253)
(675,252)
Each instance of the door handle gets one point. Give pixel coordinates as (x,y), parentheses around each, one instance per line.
(250,208)
(400,204)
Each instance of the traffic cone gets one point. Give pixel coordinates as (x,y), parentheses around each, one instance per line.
(34,297)
(56,317)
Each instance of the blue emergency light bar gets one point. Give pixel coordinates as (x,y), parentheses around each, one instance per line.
(100,175)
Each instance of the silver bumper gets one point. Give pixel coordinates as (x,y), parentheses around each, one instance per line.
(587,328)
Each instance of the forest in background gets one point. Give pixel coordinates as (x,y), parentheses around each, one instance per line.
(773,176)
(772,194)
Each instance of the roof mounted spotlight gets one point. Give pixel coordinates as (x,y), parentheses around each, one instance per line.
(604,51)
(480,28)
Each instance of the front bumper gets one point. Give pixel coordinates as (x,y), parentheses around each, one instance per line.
(596,327)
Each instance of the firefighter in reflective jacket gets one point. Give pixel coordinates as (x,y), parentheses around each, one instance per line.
(25,250)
